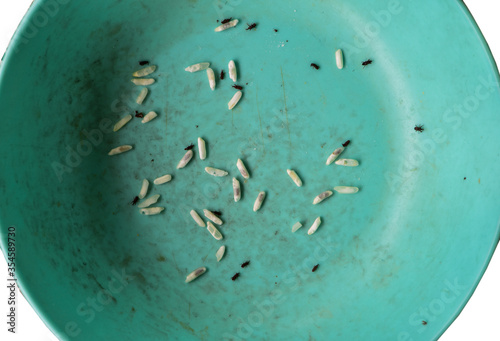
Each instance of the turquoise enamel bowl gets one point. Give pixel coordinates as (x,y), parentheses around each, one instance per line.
(397,261)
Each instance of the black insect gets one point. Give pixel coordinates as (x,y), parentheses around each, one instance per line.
(275,30)
(191,146)
(465,178)
(315,268)
(366,62)
(316,66)
(136,199)
(419,129)
(225,21)
(238,87)
(251,26)
(139,114)
(424,323)
(244,265)
(236,275)
(143,62)
(217,213)
(222,74)
(346,143)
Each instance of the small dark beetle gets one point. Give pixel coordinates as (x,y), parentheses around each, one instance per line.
(222,74)
(346,143)
(136,199)
(419,129)
(225,21)
(315,268)
(251,26)
(245,264)
(143,62)
(367,62)
(191,146)
(236,275)
(238,87)
(316,66)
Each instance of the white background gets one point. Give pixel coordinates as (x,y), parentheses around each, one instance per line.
(480,320)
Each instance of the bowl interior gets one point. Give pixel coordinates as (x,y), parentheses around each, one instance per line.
(409,247)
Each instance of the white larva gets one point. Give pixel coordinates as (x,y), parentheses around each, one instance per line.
(294,177)
(236,190)
(258,202)
(346,189)
(144,189)
(145,71)
(143,81)
(185,159)
(211,78)
(152,210)
(149,201)
(296,226)
(163,179)
(339,56)
(149,117)
(322,197)
(202,149)
(213,231)
(197,218)
(236,98)
(121,123)
(243,170)
(233,74)
(142,96)
(347,162)
(119,150)
(334,155)
(210,215)
(225,26)
(195,274)
(220,253)
(197,67)
(215,171)
(314,226)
